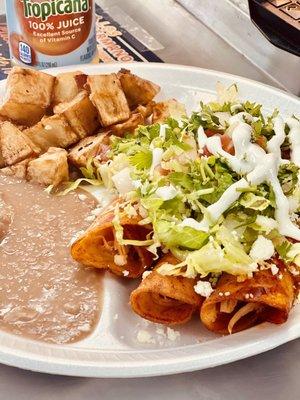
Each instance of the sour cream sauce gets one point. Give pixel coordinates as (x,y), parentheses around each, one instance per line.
(257,166)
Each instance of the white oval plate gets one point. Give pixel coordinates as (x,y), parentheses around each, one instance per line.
(113,350)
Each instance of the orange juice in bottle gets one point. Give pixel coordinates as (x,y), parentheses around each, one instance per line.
(51,33)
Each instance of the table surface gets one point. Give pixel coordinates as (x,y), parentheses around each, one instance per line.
(273,375)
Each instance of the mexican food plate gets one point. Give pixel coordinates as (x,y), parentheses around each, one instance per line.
(149,219)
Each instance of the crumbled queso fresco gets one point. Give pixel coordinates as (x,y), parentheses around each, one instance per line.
(203,288)
(274,269)
(262,249)
(162,333)
(145,337)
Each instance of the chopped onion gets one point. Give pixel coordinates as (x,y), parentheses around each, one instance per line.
(123,181)
(120,260)
(247,309)
(157,154)
(166,192)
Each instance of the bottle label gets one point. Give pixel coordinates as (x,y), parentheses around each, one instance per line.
(52,33)
(25,53)
(46,9)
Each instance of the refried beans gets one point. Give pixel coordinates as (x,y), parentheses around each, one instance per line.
(44,294)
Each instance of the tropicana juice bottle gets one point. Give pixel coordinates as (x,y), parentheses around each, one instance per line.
(51,33)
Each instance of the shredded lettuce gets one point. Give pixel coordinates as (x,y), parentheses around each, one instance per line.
(293,254)
(263,127)
(181,179)
(119,232)
(89,171)
(254,202)
(142,159)
(223,254)
(283,247)
(71,186)
(288,177)
(171,235)
(197,181)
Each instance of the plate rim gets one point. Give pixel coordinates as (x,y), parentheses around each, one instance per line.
(137,369)
(161,366)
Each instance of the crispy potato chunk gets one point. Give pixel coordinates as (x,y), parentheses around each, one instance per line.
(50,168)
(81,114)
(137,90)
(18,170)
(128,126)
(67,86)
(138,117)
(109,99)
(14,145)
(145,110)
(28,94)
(92,146)
(52,132)
(169,108)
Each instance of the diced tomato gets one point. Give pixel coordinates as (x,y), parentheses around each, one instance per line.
(210,132)
(206,153)
(262,141)
(162,171)
(226,142)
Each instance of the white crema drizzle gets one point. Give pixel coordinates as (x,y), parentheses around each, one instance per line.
(257,166)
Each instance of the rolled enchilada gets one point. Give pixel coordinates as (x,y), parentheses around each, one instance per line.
(165,299)
(235,306)
(215,193)
(98,246)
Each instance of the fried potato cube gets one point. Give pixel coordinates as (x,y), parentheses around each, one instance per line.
(28,94)
(50,168)
(52,131)
(14,145)
(128,126)
(67,85)
(92,146)
(109,99)
(169,108)
(18,170)
(80,113)
(137,90)
(145,110)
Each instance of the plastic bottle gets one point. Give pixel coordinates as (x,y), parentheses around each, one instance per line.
(51,33)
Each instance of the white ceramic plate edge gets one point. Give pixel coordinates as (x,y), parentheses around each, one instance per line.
(25,354)
(224,354)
